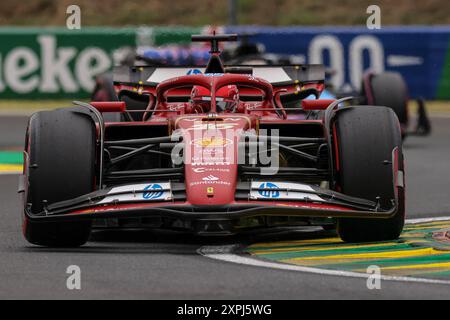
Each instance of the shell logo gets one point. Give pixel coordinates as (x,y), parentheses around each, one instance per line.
(212,142)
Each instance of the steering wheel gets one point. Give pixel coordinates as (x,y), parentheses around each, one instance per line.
(198,109)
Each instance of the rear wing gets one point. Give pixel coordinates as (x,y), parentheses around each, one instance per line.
(276,75)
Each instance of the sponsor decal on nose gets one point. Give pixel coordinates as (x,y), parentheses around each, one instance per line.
(210,178)
(269,193)
(153,191)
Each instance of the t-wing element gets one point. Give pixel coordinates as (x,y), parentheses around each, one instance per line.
(215,39)
(215,65)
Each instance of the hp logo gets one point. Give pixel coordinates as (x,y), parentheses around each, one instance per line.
(269,193)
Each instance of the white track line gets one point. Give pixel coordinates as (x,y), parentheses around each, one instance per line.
(225,253)
(440,115)
(425,220)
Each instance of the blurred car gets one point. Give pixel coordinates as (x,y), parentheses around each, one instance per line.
(245,52)
(384,89)
(387,89)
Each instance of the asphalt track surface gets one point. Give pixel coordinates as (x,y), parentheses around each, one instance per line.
(167,265)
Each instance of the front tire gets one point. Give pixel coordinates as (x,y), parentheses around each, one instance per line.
(61,146)
(366,137)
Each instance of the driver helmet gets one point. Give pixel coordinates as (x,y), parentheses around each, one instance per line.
(201,97)
(227,99)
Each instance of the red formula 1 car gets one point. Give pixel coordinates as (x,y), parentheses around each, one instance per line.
(214,151)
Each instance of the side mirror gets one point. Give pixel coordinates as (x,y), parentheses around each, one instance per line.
(109,106)
(321,104)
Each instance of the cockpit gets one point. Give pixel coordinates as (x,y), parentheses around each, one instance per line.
(227,99)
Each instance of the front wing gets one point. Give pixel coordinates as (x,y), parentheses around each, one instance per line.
(167,200)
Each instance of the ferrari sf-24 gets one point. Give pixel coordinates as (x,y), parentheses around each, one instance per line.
(213,150)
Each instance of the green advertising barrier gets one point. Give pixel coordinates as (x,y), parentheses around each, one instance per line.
(57,63)
(54,63)
(444,83)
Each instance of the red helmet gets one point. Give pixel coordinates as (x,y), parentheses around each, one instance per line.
(227,99)
(201,99)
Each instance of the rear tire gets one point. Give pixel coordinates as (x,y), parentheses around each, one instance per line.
(366,138)
(389,89)
(104,91)
(61,147)
(104,88)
